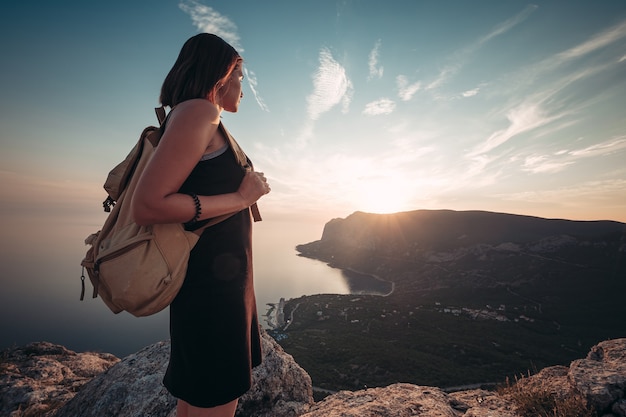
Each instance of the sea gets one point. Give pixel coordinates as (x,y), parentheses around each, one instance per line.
(39,297)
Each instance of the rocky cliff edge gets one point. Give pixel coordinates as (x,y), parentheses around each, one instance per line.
(43,379)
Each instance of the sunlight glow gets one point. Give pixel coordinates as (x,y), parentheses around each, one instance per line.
(382,195)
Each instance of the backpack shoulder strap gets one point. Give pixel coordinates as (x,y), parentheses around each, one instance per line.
(118,177)
(160,114)
(243,160)
(240,155)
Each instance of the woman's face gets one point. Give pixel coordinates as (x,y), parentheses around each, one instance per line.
(230,94)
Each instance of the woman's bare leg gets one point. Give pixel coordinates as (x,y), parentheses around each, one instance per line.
(181,409)
(184,409)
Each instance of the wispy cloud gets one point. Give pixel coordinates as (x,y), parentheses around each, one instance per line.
(588,196)
(608,147)
(508,24)
(542,164)
(603,40)
(445,73)
(558,161)
(207,19)
(548,103)
(375,70)
(406,91)
(461,56)
(598,41)
(471,93)
(378,107)
(331,86)
(475,173)
(253,82)
(525,117)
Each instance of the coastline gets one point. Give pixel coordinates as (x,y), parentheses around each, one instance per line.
(376,277)
(274,315)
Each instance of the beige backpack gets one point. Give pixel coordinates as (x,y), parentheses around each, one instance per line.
(140,269)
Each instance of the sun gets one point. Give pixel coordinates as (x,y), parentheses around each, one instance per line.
(384,195)
(372,186)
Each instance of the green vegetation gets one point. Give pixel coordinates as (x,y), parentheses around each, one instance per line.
(353,341)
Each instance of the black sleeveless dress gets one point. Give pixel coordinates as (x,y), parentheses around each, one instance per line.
(214,327)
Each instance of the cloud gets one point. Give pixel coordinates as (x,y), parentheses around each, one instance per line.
(376,71)
(604,148)
(447,72)
(525,117)
(587,194)
(331,86)
(461,56)
(599,41)
(406,90)
(558,161)
(470,93)
(540,164)
(252,82)
(378,107)
(550,103)
(206,19)
(508,24)
(475,173)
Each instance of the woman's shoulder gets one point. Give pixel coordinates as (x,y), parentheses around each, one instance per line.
(198,110)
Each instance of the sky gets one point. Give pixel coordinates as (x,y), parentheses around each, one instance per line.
(505,106)
(494,105)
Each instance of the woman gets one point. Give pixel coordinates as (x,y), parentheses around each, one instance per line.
(197,173)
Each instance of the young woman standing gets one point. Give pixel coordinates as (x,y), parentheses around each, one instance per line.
(198,172)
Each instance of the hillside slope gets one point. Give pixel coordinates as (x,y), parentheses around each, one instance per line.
(477,295)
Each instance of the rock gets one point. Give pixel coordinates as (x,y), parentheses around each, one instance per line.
(280,387)
(482,403)
(601,377)
(397,400)
(553,380)
(404,400)
(134,387)
(39,377)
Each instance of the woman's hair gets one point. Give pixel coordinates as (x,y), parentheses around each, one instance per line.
(202,67)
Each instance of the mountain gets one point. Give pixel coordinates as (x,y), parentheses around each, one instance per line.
(477,295)
(443,248)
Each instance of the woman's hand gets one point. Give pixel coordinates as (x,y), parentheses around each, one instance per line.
(253,187)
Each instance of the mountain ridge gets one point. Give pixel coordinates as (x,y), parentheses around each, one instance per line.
(477,295)
(391,245)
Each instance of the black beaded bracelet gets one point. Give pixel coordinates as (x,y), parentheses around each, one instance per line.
(196,217)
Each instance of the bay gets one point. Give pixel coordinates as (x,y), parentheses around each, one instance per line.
(40,278)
